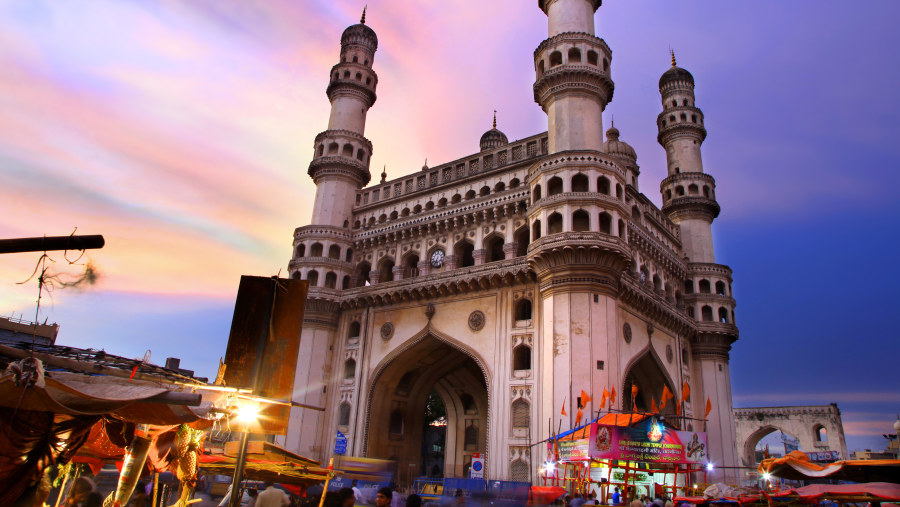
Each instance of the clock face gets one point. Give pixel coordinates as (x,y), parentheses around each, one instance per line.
(437,258)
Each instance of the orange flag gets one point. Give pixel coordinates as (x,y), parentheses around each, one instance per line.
(666,396)
(585,399)
(685,392)
(678,409)
(634,391)
(708,407)
(653,408)
(612,397)
(564,407)
(578,416)
(604,398)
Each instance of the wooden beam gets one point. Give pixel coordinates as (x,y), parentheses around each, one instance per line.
(48,243)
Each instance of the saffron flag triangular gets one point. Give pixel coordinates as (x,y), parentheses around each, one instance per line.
(578,416)
(685,392)
(612,397)
(708,407)
(653,408)
(666,396)
(678,409)
(564,407)
(634,391)
(604,398)
(585,399)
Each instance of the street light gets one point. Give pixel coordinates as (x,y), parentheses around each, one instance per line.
(246,414)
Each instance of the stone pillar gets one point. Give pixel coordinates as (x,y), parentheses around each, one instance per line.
(710,353)
(509,249)
(480,255)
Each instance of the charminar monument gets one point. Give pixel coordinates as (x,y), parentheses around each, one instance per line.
(511,279)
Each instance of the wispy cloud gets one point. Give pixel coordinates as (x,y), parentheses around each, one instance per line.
(813,397)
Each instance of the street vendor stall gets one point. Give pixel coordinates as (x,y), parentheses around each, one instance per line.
(639,453)
(796,465)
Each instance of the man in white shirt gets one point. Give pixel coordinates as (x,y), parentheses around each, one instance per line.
(272,497)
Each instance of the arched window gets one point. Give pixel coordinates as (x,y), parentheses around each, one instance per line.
(313,277)
(468,403)
(393,215)
(522,241)
(463,251)
(494,247)
(723,315)
(574,55)
(684,357)
(297,275)
(330,280)
(485,190)
(349,255)
(301,250)
(442,202)
(645,275)
(688,286)
(621,225)
(605,222)
(679,190)
(334,252)
(417,209)
(514,183)
(315,250)
(354,329)
(537,193)
(456,198)
(579,183)
(349,369)
(360,154)
(704,286)
(536,230)
(555,59)
(690,311)
(355,59)
(470,437)
(470,195)
(821,433)
(693,189)
(657,283)
(603,185)
(321,150)
(540,68)
(668,194)
(520,414)
(362,274)
(344,415)
(522,357)
(618,191)
(347,151)
(605,64)
(581,221)
(386,270)
(592,57)
(683,117)
(706,191)
(411,266)
(382,218)
(523,309)
(500,187)
(333,148)
(554,186)
(706,313)
(395,425)
(345,284)
(720,288)
(636,214)
(554,224)
(429,205)
(404,212)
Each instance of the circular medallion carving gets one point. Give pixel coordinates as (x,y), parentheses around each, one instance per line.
(626,331)
(387,330)
(669,354)
(476,320)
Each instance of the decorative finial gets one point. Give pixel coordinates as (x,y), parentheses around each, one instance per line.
(673,57)
(495,118)
(384,174)
(612,122)
(363,19)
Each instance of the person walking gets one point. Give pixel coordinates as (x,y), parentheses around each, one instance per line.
(272,497)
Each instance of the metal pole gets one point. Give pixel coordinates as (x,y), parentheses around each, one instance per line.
(47,243)
(235,500)
(327,480)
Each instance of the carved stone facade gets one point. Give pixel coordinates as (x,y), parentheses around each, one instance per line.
(817,428)
(509,280)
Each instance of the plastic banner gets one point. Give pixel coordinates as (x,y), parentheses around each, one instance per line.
(650,441)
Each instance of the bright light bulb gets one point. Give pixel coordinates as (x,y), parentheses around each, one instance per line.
(549,467)
(247,413)
(710,467)
(767,476)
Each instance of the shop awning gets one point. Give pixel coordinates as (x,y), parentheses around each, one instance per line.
(843,493)
(797,466)
(283,472)
(608,420)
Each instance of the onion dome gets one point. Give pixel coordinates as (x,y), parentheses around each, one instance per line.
(675,73)
(360,33)
(617,148)
(493,138)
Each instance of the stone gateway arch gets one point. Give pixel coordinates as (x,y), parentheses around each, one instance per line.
(508,280)
(818,428)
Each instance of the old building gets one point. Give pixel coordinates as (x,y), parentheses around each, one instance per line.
(511,279)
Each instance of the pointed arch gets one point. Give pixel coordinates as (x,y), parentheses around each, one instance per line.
(648,372)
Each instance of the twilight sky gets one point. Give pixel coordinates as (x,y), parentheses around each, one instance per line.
(182,130)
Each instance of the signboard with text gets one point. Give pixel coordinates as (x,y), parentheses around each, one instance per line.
(476,470)
(649,441)
(574,450)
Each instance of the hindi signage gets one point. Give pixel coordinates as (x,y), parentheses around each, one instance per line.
(649,441)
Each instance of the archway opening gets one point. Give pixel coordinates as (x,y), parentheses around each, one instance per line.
(649,377)
(405,424)
(768,442)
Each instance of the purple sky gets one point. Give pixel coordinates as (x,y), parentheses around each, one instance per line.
(181,130)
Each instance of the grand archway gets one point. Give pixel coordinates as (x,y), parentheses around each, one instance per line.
(647,373)
(398,397)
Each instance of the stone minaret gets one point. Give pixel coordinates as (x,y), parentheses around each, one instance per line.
(689,200)
(573,83)
(323,250)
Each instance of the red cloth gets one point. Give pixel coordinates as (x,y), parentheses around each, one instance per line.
(545,495)
(815,492)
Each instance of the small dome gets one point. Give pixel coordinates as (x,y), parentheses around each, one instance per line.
(617,148)
(493,139)
(675,74)
(359,31)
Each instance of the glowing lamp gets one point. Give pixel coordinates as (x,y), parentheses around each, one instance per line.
(247,413)
(710,467)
